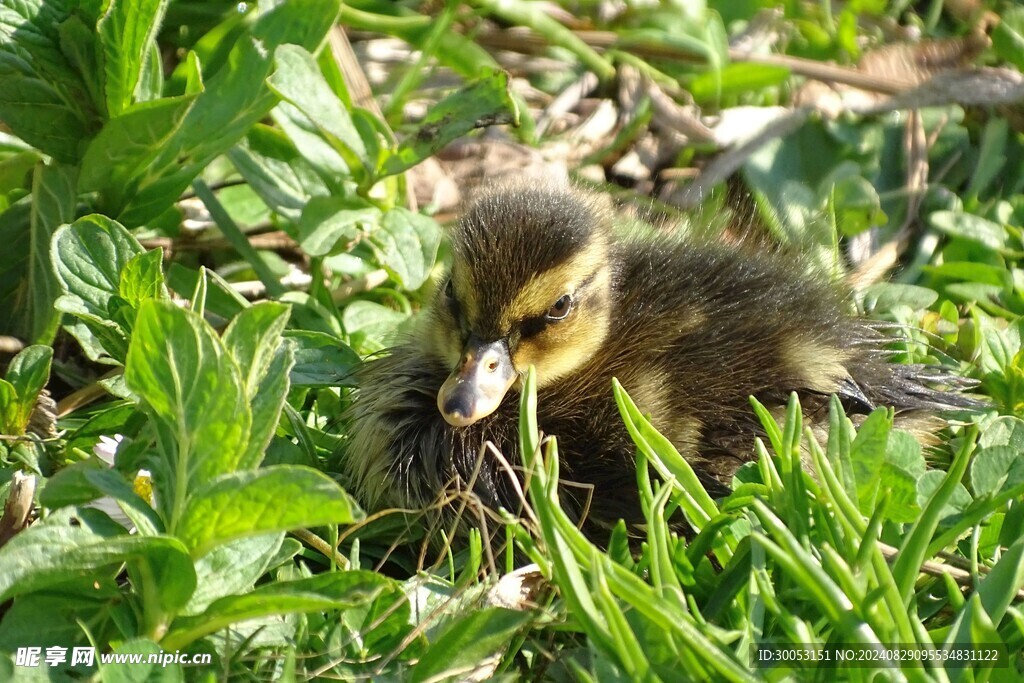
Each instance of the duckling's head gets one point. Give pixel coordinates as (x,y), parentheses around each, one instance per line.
(530,284)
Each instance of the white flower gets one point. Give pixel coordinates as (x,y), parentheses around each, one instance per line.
(106,450)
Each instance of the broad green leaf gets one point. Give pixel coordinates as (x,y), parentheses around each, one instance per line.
(142,278)
(89,256)
(66,607)
(86,481)
(181,371)
(972,272)
(30,370)
(102,338)
(10,410)
(276,171)
(903,466)
(1008,36)
(53,204)
(867,455)
(958,501)
(278,498)
(856,205)
(885,296)
(27,374)
(298,81)
(326,161)
(995,469)
(232,568)
(146,670)
(332,590)
(266,406)
(15,170)
(47,555)
(235,98)
(79,44)
(321,359)
(1004,431)
(126,31)
(991,156)
(254,340)
(469,643)
(335,223)
(120,157)
(969,227)
(42,101)
(371,322)
(406,244)
(736,79)
(15,235)
(486,102)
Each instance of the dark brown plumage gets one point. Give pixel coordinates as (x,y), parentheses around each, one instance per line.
(691,330)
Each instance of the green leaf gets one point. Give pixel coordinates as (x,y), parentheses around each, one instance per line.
(273,167)
(991,156)
(89,256)
(736,79)
(235,98)
(127,30)
(53,204)
(15,234)
(969,227)
(47,555)
(326,161)
(142,278)
(331,224)
(371,321)
(903,466)
(29,371)
(321,359)
(1008,36)
(43,101)
(885,296)
(278,498)
(146,670)
(10,410)
(995,469)
(406,245)
(856,205)
(86,481)
(254,340)
(335,590)
(470,642)
(181,371)
(232,568)
(1004,431)
(298,81)
(27,374)
(485,102)
(120,157)
(867,455)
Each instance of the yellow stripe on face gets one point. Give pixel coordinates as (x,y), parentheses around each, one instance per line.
(544,289)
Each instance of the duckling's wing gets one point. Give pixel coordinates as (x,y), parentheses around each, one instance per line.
(906,387)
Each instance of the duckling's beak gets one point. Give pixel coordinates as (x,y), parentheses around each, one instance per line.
(475,388)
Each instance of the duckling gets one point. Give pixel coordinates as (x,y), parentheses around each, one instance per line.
(540,277)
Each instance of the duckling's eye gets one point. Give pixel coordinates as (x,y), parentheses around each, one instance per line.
(449,291)
(560,308)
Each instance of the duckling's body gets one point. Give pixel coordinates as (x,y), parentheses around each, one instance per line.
(690,330)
